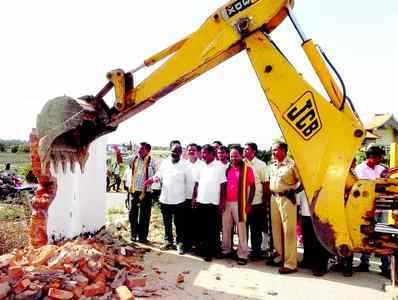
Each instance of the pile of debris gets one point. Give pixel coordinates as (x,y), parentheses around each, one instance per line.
(84,268)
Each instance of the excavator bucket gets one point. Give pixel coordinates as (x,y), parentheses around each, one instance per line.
(66,127)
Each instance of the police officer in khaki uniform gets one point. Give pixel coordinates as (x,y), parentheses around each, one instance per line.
(283,180)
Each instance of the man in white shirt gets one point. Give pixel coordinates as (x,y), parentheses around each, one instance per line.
(216,145)
(209,189)
(174,175)
(223,156)
(223,159)
(190,224)
(257,219)
(371,168)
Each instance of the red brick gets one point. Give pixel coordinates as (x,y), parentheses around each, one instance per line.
(91,274)
(77,291)
(59,294)
(101,277)
(21,286)
(108,274)
(69,285)
(81,279)
(68,268)
(15,272)
(29,295)
(94,290)
(54,284)
(180,278)
(133,282)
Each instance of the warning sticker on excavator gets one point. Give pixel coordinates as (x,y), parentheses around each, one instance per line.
(236,7)
(303,116)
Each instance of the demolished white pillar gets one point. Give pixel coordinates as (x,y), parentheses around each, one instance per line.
(79,206)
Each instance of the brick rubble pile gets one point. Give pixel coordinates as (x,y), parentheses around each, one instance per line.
(88,268)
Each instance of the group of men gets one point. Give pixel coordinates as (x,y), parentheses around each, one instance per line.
(216,190)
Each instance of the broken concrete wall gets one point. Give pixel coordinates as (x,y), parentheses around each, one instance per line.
(79,205)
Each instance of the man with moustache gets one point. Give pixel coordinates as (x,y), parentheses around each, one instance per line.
(190,217)
(257,219)
(173,175)
(208,192)
(142,166)
(283,180)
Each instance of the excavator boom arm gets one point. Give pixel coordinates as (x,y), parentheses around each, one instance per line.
(323,134)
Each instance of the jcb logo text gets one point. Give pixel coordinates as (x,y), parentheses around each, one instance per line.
(304,117)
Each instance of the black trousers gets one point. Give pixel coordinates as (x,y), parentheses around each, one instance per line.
(140,215)
(156,195)
(256,221)
(170,213)
(207,217)
(118,181)
(190,225)
(315,255)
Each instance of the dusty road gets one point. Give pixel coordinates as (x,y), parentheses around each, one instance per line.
(224,279)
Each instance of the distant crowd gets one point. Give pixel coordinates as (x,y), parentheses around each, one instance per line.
(218,196)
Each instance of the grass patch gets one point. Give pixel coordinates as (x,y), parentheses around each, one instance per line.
(20,162)
(10,213)
(14,158)
(116,211)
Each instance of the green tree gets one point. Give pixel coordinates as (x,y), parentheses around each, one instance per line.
(2,147)
(24,148)
(14,149)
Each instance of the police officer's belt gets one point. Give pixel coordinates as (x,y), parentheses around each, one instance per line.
(286,193)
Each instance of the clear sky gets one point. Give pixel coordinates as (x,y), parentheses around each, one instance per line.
(51,48)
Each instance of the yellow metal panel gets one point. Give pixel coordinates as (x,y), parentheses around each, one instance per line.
(323,73)
(393,155)
(360,204)
(322,139)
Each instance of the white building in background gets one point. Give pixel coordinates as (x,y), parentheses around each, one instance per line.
(382,130)
(79,205)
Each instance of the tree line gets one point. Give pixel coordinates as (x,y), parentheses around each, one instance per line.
(14,146)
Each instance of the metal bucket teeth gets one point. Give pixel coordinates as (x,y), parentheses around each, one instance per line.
(62,158)
(55,160)
(82,158)
(63,163)
(72,160)
(66,127)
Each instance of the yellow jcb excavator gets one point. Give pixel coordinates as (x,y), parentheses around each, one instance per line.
(323,134)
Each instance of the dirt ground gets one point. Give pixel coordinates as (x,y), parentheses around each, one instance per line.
(224,279)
